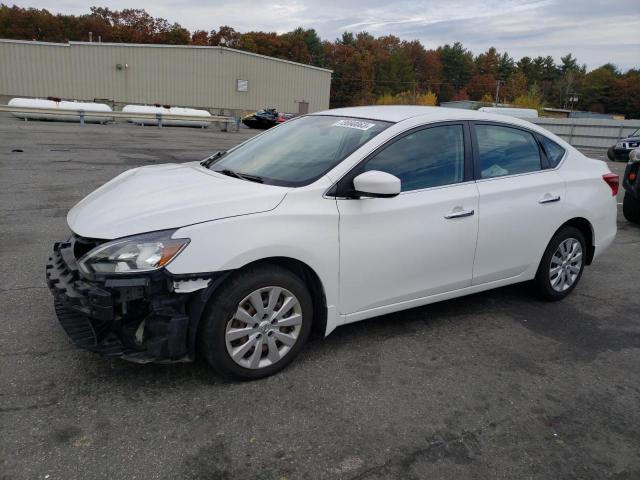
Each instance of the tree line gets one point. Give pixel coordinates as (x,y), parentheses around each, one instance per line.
(366,69)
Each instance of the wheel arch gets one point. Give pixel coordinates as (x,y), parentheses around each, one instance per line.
(307,274)
(586,229)
(311,279)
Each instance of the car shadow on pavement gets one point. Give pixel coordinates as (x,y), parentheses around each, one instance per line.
(369,333)
(516,306)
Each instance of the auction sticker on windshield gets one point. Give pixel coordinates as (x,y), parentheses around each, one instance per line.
(357,124)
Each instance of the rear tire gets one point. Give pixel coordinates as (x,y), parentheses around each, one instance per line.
(257,322)
(611,154)
(631,208)
(562,264)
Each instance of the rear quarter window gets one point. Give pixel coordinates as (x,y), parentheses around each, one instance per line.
(554,151)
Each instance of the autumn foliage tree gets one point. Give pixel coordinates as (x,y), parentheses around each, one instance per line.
(366,69)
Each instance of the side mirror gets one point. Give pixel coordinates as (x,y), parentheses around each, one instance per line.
(376,184)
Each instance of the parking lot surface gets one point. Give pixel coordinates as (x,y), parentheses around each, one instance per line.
(495,385)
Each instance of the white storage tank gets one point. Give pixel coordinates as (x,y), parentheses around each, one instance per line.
(57,104)
(166,110)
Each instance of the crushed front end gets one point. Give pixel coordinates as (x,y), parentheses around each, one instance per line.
(142,317)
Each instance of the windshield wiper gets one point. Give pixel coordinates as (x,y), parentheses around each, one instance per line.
(242,176)
(209,160)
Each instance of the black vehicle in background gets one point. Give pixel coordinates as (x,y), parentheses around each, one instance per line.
(622,148)
(631,185)
(267,118)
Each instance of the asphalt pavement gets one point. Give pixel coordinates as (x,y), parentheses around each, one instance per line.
(494,385)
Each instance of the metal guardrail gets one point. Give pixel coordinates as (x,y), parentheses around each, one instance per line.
(111,116)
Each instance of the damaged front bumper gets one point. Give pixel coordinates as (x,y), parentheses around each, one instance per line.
(150,317)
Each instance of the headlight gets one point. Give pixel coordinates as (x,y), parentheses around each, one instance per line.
(141,253)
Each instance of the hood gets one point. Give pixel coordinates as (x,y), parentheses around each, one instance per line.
(167,196)
(629,139)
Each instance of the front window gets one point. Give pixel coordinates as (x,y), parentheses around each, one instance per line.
(425,158)
(299,151)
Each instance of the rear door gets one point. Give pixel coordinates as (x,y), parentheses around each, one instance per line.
(520,205)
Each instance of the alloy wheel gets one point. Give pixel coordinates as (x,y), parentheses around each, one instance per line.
(566,264)
(264,327)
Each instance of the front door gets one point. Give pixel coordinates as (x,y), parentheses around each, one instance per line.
(421,242)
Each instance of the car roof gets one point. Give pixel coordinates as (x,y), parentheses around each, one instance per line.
(398,113)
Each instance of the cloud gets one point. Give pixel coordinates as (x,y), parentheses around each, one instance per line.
(595,31)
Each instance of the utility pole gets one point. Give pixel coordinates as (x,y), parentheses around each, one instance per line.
(498,82)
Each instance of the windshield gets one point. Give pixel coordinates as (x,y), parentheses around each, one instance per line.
(299,151)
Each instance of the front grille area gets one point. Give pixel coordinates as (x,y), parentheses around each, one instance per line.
(63,279)
(83,245)
(84,332)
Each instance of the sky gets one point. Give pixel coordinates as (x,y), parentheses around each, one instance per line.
(595,31)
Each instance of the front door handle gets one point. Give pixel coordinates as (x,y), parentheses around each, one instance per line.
(550,199)
(459,214)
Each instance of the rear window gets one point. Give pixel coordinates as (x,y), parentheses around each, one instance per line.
(506,151)
(554,151)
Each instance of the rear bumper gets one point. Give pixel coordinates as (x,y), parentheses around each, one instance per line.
(139,318)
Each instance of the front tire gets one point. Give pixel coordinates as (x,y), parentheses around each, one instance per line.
(562,264)
(257,322)
(631,208)
(611,154)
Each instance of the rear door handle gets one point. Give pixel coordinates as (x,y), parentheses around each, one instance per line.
(459,214)
(550,199)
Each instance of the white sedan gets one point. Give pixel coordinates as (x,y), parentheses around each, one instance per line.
(328,219)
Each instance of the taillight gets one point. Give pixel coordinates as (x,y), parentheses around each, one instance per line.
(613,181)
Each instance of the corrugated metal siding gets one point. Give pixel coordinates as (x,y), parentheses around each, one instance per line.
(589,133)
(185,76)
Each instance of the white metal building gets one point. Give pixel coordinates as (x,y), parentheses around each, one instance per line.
(216,78)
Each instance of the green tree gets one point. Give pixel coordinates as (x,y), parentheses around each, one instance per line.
(526,67)
(314,45)
(506,67)
(395,74)
(599,88)
(295,46)
(516,86)
(488,62)
(457,68)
